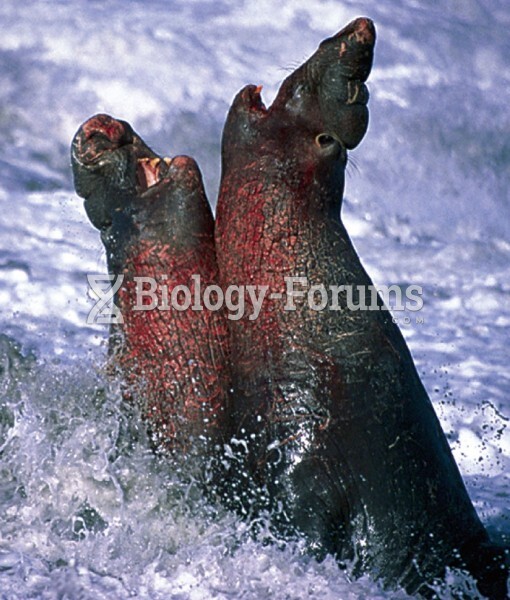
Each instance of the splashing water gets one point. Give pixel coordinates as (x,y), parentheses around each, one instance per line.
(87,510)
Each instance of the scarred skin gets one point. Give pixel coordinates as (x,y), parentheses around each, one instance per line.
(339,438)
(155,221)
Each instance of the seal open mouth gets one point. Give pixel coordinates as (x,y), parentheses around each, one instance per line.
(150,171)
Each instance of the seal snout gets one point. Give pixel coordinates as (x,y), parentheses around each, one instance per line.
(343,64)
(362,30)
(352,49)
(103,140)
(107,126)
(99,134)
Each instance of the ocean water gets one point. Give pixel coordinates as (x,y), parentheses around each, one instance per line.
(86,510)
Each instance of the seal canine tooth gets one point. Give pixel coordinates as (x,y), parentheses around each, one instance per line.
(150,161)
(353,91)
(155,162)
(150,169)
(336,436)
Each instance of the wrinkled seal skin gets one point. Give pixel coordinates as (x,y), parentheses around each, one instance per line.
(337,429)
(155,221)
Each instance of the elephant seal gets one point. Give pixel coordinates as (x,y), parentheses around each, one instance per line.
(156,223)
(336,436)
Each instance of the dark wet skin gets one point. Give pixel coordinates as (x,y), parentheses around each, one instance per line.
(340,440)
(155,221)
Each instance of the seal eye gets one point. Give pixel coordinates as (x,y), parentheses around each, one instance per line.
(323,140)
(330,146)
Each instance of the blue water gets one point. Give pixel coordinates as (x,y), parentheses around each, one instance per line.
(84,513)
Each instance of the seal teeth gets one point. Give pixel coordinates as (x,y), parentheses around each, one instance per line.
(167,161)
(149,171)
(154,163)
